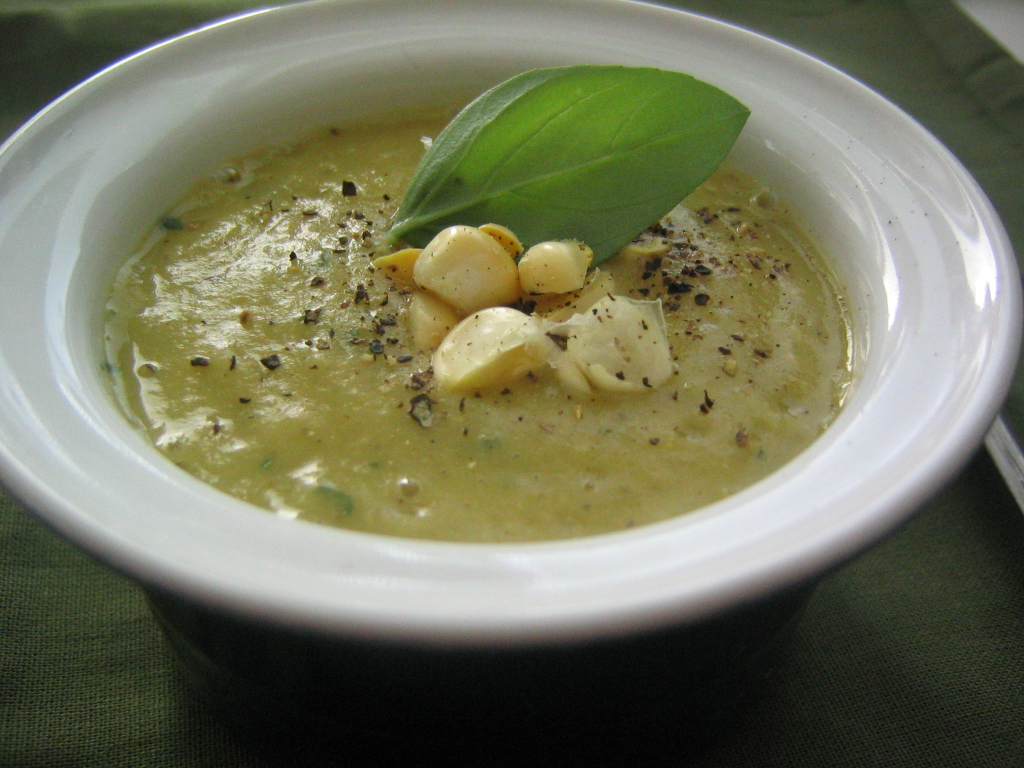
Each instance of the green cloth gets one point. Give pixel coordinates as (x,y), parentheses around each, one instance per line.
(912,655)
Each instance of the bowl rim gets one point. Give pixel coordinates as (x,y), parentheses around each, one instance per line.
(556,607)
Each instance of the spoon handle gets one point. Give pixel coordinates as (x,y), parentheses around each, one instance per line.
(1008,458)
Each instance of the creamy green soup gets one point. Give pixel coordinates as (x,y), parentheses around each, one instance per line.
(255,343)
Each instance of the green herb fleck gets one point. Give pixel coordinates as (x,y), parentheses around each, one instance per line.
(338,499)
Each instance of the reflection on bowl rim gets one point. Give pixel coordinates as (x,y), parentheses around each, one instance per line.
(935,296)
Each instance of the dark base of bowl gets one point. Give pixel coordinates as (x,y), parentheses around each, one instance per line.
(306,699)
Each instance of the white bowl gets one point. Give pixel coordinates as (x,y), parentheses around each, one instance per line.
(931,282)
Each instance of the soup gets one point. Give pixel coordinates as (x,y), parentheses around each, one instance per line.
(254,341)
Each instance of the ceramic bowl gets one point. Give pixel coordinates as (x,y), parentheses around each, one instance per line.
(928,272)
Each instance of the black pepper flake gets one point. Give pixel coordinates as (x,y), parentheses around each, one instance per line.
(348,188)
(316,281)
(404,358)
(420,379)
(701,299)
(742,438)
(645,382)
(462,405)
(389,319)
(361,294)
(562,342)
(707,400)
(387,197)
(312,316)
(200,361)
(234,363)
(725,350)
(526,306)
(217,427)
(271,362)
(654,440)
(244,400)
(293,257)
(376,346)
(702,270)
(620,376)
(736,337)
(677,287)
(421,410)
(706,216)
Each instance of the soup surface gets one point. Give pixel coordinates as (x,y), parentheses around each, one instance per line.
(255,343)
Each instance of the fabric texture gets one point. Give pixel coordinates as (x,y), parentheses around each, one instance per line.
(911,655)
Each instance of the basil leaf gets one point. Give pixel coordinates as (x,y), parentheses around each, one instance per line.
(593,153)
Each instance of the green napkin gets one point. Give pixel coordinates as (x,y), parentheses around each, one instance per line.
(912,655)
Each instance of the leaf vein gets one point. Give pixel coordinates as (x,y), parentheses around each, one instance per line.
(508,158)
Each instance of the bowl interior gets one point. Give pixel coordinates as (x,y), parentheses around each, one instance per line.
(927,271)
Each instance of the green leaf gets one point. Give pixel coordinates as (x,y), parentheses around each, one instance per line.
(593,153)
